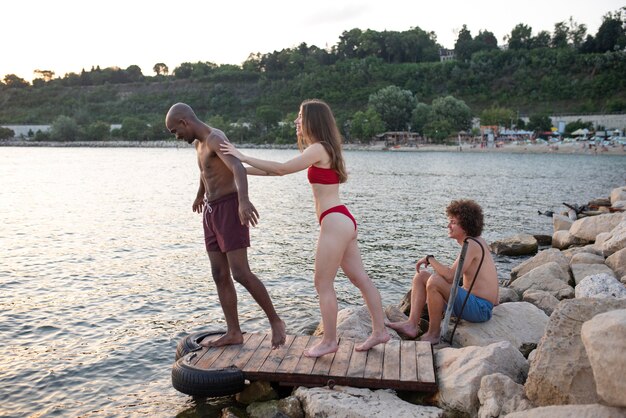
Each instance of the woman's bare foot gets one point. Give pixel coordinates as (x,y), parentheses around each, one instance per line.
(321,348)
(404,327)
(432,339)
(279,335)
(226,339)
(374,339)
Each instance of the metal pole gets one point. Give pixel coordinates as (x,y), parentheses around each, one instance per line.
(453,291)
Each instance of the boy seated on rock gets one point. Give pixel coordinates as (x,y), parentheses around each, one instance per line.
(465,223)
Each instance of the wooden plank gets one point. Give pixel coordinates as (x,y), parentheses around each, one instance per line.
(342,358)
(399,365)
(408,361)
(425,368)
(305,365)
(357,364)
(209,357)
(323,363)
(374,365)
(248,349)
(391,361)
(229,353)
(296,350)
(259,356)
(273,360)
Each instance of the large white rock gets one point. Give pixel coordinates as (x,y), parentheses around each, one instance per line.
(617,262)
(600,286)
(604,337)
(580,271)
(617,194)
(542,257)
(560,372)
(542,300)
(549,277)
(615,241)
(348,402)
(561,223)
(459,372)
(587,258)
(500,395)
(587,228)
(520,244)
(520,323)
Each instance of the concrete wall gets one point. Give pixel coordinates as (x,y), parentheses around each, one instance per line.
(21,131)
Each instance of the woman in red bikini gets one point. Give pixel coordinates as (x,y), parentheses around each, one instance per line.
(319,141)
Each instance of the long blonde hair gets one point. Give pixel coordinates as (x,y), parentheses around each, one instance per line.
(319,125)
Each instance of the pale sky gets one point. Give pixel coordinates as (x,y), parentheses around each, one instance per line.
(66,36)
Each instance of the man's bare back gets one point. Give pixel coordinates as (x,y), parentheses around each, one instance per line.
(486,285)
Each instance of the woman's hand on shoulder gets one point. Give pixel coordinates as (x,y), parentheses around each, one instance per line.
(229,149)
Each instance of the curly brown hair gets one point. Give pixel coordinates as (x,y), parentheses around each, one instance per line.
(469,215)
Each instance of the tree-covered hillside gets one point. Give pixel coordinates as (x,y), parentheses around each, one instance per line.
(362,77)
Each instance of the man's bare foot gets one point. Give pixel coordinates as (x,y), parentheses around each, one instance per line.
(321,348)
(374,339)
(404,327)
(279,335)
(432,339)
(226,339)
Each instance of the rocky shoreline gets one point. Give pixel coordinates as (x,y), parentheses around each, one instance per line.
(553,348)
(570,148)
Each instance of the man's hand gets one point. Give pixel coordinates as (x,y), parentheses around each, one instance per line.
(420,263)
(198,205)
(248,214)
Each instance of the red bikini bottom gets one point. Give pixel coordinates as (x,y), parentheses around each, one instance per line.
(339,209)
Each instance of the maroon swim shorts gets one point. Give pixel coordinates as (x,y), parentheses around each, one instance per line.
(223,231)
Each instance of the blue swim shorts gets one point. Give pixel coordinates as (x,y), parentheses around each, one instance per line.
(476,309)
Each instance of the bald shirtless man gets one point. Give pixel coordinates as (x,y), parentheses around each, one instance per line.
(465,220)
(227,213)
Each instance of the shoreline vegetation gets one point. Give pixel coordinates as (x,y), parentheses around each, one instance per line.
(568,148)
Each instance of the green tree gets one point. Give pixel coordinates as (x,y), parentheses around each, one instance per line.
(520,37)
(11,80)
(394,106)
(366,125)
(134,129)
(160,69)
(420,117)
(98,131)
(539,122)
(560,36)
(452,110)
(6,133)
(497,116)
(65,128)
(464,45)
(46,75)
(611,33)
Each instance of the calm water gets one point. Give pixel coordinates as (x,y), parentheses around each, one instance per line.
(103,270)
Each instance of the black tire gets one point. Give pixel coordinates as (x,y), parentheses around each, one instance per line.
(192,342)
(193,381)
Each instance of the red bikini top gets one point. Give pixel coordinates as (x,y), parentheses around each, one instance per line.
(322,175)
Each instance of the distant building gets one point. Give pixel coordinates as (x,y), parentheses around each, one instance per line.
(446,54)
(401,138)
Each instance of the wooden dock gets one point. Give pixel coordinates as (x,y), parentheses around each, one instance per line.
(399,365)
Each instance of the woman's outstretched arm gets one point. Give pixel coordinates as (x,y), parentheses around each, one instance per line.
(310,156)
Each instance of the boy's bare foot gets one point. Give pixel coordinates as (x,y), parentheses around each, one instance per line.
(226,339)
(321,348)
(374,339)
(432,339)
(279,335)
(404,327)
